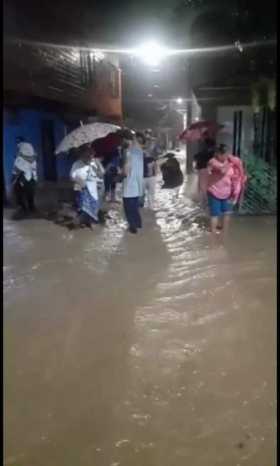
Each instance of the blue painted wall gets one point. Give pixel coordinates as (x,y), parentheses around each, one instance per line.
(27,123)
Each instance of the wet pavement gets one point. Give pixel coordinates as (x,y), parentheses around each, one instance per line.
(150,350)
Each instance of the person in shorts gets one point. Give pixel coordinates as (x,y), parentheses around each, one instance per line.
(226,180)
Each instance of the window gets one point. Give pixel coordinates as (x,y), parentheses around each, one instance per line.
(88,69)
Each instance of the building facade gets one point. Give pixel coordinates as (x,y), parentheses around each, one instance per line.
(48,91)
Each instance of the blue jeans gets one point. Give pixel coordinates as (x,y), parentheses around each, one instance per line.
(218,207)
(131,209)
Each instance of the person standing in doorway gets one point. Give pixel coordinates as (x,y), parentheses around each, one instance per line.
(133,172)
(24,178)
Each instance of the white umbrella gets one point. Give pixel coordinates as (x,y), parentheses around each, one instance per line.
(85,134)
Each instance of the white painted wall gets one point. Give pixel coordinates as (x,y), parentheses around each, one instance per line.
(195,109)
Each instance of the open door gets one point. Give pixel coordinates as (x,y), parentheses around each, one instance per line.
(48,151)
(237,133)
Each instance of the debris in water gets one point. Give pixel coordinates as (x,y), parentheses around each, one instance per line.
(120,443)
(141,417)
(240,445)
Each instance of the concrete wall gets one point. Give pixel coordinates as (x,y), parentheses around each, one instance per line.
(27,123)
(209,112)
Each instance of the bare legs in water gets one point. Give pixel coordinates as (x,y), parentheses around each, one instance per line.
(219,224)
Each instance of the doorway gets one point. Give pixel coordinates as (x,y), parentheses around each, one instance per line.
(48,151)
(237,133)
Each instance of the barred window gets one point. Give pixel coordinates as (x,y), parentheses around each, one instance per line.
(88,68)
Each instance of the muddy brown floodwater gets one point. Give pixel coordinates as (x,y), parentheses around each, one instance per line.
(155,350)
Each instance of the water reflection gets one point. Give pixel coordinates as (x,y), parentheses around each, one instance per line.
(155,350)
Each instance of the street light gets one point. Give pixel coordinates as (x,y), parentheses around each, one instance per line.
(179,100)
(151,53)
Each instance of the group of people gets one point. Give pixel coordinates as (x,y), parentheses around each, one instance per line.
(95,177)
(136,163)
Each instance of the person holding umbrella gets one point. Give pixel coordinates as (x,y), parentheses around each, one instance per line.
(85,177)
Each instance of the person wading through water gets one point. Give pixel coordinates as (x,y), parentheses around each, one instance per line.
(84,174)
(133,171)
(226,182)
(111,175)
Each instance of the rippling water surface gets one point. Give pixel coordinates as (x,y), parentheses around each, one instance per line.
(148,350)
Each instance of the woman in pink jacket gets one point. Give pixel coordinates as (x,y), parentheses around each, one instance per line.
(226,183)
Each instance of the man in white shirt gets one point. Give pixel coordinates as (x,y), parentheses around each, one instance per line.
(133,183)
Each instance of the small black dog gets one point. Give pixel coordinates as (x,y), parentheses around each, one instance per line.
(171,172)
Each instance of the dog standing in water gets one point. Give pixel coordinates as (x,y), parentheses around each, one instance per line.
(171,172)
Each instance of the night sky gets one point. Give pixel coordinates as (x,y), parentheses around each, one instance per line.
(106,21)
(128,22)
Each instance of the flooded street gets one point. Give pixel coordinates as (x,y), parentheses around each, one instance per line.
(147,350)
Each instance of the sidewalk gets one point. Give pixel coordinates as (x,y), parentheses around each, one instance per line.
(50,195)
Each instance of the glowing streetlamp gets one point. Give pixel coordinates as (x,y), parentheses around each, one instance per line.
(151,53)
(179,100)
